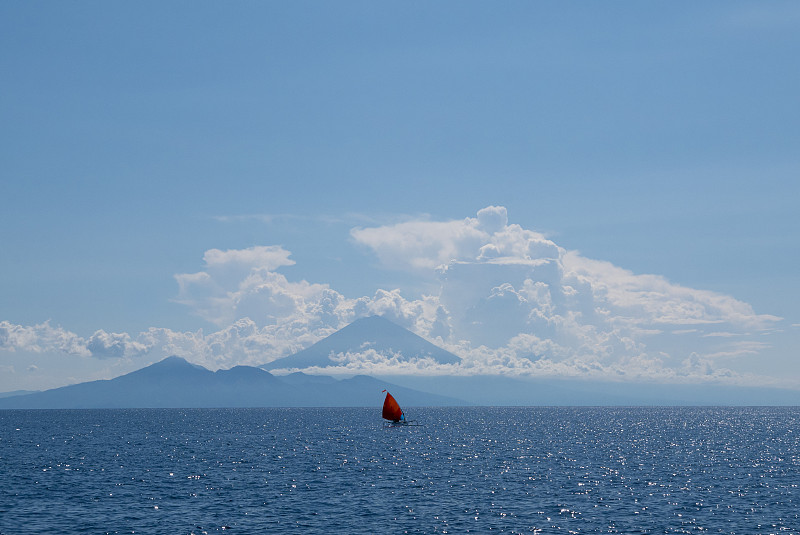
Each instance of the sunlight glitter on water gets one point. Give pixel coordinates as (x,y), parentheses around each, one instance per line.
(478,470)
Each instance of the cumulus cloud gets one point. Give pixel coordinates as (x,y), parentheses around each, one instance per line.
(241,282)
(40,338)
(238,284)
(509,301)
(425,245)
(514,299)
(421,245)
(243,342)
(113,345)
(44,338)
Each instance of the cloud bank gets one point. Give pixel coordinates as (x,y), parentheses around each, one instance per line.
(509,301)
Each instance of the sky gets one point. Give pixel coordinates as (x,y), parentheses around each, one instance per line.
(593,190)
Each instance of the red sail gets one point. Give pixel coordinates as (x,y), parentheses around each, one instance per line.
(391,410)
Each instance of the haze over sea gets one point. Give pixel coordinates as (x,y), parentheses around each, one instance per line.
(476,470)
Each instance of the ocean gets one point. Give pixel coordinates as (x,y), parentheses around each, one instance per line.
(463,470)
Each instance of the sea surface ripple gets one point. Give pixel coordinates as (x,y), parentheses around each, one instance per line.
(464,470)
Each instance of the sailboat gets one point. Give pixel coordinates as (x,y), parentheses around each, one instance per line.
(393,412)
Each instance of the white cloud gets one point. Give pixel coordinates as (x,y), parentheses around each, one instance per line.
(114,345)
(514,298)
(510,301)
(40,338)
(424,245)
(243,283)
(259,257)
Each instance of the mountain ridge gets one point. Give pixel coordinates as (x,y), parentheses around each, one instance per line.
(175,383)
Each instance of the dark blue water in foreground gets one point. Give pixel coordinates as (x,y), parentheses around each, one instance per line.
(476,470)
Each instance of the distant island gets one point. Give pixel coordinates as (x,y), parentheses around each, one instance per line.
(174,382)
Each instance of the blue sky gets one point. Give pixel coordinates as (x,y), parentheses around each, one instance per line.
(661,138)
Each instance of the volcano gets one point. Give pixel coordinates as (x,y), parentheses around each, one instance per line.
(372,333)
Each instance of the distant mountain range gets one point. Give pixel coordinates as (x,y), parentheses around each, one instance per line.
(174,382)
(372,333)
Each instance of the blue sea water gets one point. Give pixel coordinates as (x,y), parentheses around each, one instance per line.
(465,470)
